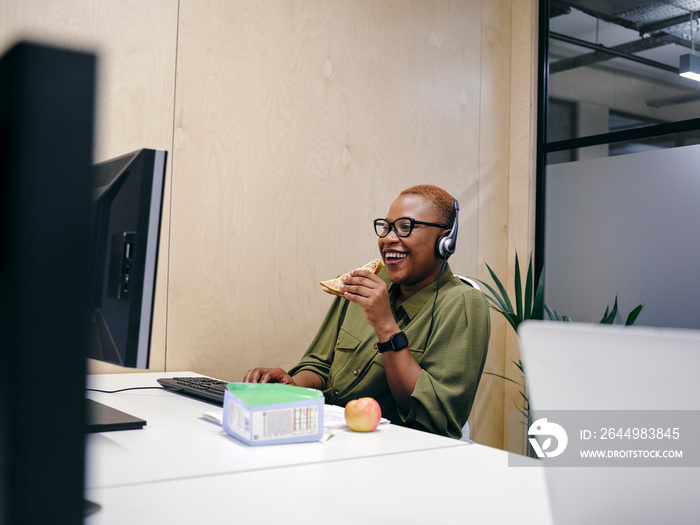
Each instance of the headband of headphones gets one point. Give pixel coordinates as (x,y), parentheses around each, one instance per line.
(447,243)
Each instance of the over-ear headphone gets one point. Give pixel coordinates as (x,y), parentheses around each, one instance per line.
(447,244)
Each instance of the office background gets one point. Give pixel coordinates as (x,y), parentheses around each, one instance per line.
(291,125)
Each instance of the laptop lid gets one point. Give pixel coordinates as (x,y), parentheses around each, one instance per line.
(595,368)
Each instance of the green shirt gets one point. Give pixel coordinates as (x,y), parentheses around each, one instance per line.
(452,354)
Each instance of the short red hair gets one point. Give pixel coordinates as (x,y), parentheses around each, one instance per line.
(442,200)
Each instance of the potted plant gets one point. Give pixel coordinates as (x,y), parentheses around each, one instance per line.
(530,305)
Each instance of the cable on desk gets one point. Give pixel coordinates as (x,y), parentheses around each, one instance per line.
(125,389)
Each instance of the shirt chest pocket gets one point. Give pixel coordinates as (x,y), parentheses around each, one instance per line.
(344,347)
(352,355)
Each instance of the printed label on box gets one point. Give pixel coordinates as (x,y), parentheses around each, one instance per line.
(288,422)
(238,418)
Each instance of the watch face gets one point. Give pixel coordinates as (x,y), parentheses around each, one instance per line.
(396,342)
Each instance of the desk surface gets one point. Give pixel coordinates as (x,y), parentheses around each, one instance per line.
(181,466)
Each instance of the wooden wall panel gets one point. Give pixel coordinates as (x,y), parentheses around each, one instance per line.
(135,43)
(290,126)
(295,127)
(486,421)
(521,192)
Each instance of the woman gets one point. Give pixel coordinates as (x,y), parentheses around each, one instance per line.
(432,330)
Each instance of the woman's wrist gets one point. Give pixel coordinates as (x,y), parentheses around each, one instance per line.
(386,331)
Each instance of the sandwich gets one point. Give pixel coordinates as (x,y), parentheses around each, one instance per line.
(332,286)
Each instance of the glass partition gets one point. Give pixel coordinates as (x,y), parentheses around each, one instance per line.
(618,62)
(611,102)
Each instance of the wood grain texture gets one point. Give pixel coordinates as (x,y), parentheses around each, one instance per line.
(494,128)
(296,128)
(521,193)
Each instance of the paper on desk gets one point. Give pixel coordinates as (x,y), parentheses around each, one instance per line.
(214,417)
(334,417)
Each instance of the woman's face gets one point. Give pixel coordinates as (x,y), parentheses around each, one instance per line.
(411,261)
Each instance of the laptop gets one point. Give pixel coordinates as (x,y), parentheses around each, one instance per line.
(595,368)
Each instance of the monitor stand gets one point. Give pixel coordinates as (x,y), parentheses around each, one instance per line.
(103,418)
(89,508)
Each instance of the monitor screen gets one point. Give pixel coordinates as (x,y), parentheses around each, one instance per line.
(126,218)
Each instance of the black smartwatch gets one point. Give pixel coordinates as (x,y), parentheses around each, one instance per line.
(395,343)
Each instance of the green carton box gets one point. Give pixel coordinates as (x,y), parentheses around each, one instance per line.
(273,413)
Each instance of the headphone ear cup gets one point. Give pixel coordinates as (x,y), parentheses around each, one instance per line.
(441,249)
(446,244)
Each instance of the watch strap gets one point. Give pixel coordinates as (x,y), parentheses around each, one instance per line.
(396,342)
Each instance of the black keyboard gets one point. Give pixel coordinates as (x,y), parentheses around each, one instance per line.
(201,387)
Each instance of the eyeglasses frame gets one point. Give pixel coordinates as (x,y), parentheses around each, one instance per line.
(392,226)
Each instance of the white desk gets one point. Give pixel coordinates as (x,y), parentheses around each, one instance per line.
(181,467)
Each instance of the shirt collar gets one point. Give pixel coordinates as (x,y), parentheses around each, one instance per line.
(416,302)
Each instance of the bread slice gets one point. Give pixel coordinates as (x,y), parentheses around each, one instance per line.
(332,286)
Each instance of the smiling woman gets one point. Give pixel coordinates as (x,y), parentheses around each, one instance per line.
(413,337)
(411,259)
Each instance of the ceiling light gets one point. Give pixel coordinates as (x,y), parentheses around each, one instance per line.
(690,67)
(690,64)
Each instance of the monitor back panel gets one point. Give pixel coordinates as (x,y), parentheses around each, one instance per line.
(571,366)
(46,111)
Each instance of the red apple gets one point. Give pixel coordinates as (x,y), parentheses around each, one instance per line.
(363,415)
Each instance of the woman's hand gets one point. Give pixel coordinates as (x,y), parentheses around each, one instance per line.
(305,378)
(268,375)
(371,293)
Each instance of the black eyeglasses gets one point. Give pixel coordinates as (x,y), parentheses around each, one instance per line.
(402,226)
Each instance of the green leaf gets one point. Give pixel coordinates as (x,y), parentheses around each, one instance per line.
(609,318)
(613,312)
(552,314)
(513,319)
(494,298)
(519,364)
(632,317)
(504,295)
(504,377)
(518,290)
(529,280)
(526,414)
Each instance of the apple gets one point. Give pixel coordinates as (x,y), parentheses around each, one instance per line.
(363,415)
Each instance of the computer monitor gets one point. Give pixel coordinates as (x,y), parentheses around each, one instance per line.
(125,224)
(127,205)
(54,265)
(46,128)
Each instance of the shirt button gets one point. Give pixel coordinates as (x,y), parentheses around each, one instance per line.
(334,393)
(356,372)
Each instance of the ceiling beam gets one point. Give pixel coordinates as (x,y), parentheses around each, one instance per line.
(673,101)
(669,22)
(602,53)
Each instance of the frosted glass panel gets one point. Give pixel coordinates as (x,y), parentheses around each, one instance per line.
(626,226)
